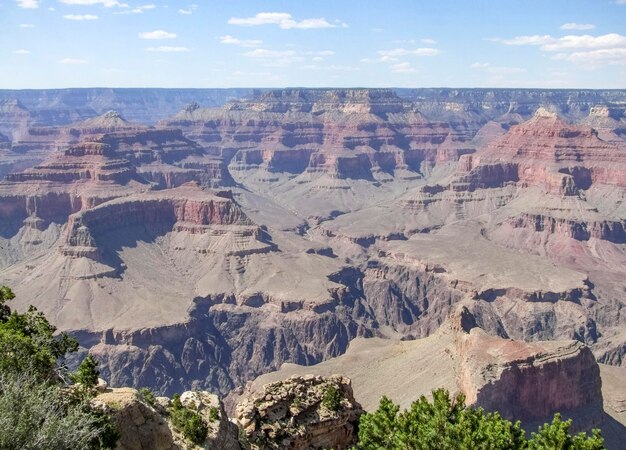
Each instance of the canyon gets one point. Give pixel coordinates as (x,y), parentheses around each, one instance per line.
(197,239)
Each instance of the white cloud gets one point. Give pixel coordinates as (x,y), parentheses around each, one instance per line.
(27,25)
(284,21)
(612,40)
(378,30)
(157,34)
(527,40)
(331,68)
(28,4)
(585,50)
(428,41)
(595,58)
(168,49)
(231,40)
(497,70)
(72,61)
(80,17)
(274,58)
(577,26)
(395,54)
(322,53)
(105,3)
(188,10)
(403,67)
(318,59)
(21,51)
(264,53)
(137,10)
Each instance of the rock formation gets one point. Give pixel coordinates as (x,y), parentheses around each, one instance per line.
(143,425)
(299,413)
(523,381)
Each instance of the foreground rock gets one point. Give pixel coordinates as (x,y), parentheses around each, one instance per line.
(309,412)
(147,426)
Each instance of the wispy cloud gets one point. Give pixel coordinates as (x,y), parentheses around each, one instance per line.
(189,10)
(168,49)
(231,40)
(395,54)
(273,58)
(527,40)
(21,51)
(156,35)
(136,10)
(72,61)
(331,68)
(28,4)
(284,21)
(264,53)
(586,50)
(403,67)
(595,58)
(105,3)
(497,70)
(27,25)
(322,53)
(80,17)
(577,26)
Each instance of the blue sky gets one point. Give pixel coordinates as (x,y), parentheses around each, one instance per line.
(316,43)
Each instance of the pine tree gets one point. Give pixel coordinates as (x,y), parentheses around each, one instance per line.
(87,373)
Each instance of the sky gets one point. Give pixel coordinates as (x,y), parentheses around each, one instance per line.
(313,43)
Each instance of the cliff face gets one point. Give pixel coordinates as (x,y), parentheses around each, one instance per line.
(527,381)
(530,381)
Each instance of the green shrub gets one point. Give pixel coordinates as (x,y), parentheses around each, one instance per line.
(188,422)
(87,373)
(214,414)
(37,410)
(35,415)
(447,424)
(146,395)
(332,398)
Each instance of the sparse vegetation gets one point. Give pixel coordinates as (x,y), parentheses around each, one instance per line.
(447,424)
(188,422)
(38,410)
(147,396)
(214,414)
(332,399)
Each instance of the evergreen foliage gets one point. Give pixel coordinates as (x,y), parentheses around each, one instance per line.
(447,424)
(332,398)
(188,422)
(87,373)
(146,395)
(37,409)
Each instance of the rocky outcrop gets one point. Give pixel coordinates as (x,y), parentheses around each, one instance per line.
(144,425)
(528,381)
(140,425)
(309,412)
